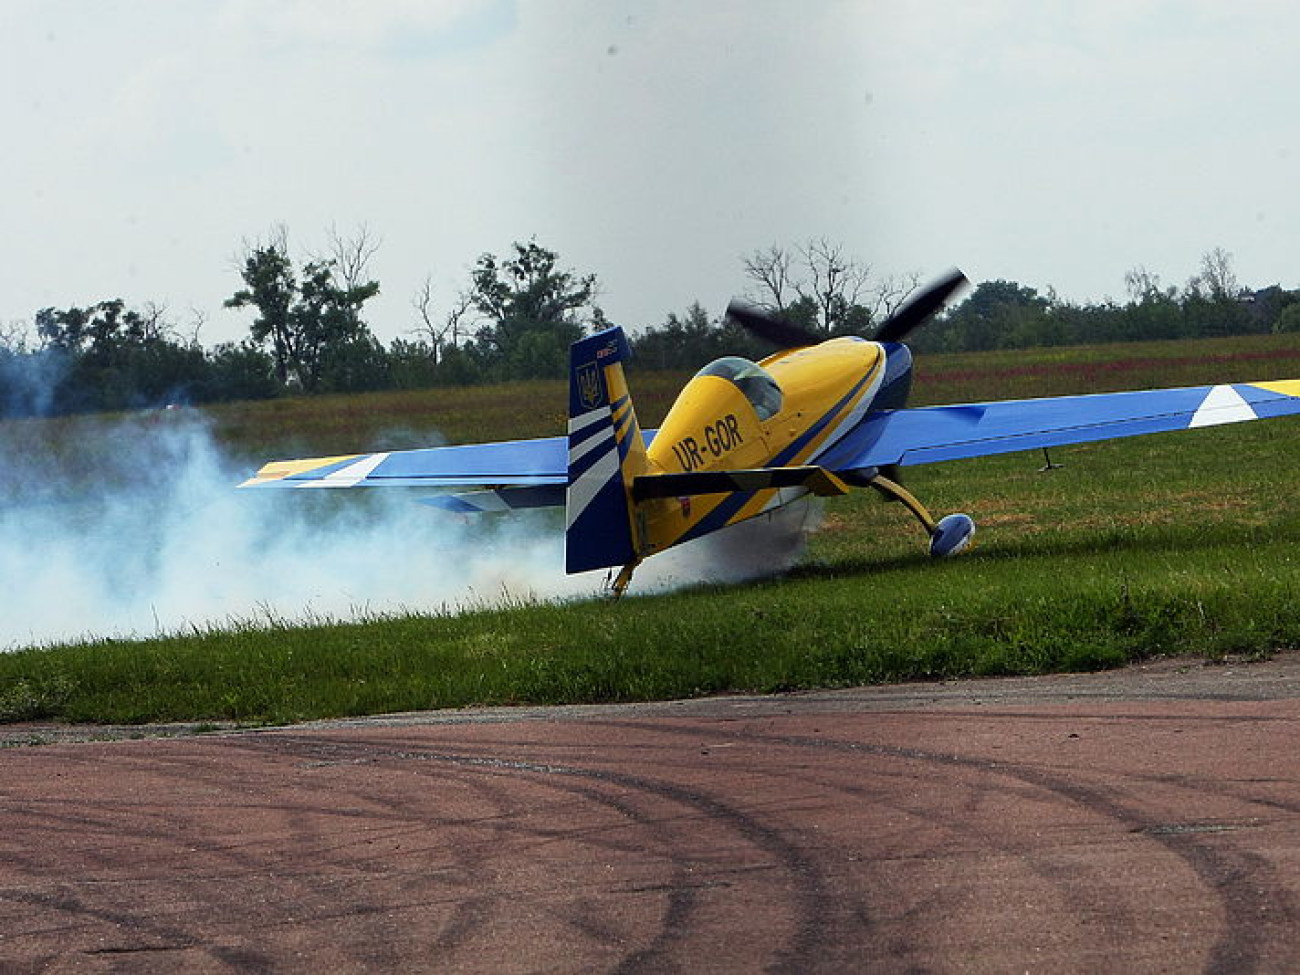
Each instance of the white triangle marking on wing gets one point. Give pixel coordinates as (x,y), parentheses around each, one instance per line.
(1223,405)
(354,473)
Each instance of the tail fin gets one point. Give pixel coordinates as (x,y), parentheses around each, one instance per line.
(606,451)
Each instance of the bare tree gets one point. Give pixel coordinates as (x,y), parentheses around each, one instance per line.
(457,314)
(277,239)
(888,296)
(1217,280)
(198,319)
(1143,285)
(838,290)
(770,270)
(442,333)
(154,325)
(350,256)
(15,336)
(834,283)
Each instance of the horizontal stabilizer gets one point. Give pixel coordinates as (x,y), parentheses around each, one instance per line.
(818,480)
(499,499)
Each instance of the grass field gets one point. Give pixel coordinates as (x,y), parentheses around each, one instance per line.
(1176,543)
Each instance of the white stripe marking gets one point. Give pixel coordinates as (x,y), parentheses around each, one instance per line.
(583,491)
(1223,405)
(351,475)
(603,439)
(584,420)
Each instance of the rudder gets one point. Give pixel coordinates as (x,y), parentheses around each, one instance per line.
(606,451)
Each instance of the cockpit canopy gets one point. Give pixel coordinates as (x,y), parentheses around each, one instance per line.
(755,382)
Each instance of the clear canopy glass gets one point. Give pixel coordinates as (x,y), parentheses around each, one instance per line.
(755,382)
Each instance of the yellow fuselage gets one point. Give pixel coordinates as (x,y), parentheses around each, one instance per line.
(713,426)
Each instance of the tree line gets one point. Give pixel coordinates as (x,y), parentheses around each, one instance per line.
(520,312)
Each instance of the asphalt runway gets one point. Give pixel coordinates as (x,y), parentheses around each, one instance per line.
(1145,820)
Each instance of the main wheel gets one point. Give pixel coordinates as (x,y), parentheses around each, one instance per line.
(951,535)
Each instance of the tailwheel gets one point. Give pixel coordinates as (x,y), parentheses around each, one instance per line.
(948,535)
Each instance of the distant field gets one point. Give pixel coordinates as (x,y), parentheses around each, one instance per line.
(341,424)
(1104,368)
(337,424)
(1167,544)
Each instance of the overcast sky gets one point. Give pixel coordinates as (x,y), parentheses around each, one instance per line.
(651,143)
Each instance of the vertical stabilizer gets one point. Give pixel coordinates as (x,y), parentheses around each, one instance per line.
(606,451)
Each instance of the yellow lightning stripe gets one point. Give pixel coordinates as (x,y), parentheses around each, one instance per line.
(622,419)
(818,441)
(1287,387)
(280,469)
(760,501)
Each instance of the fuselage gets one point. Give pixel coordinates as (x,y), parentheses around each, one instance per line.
(784,411)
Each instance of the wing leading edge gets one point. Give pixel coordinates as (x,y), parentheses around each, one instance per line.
(514,463)
(928,435)
(511,474)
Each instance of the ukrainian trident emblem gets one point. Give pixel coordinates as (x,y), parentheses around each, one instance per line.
(590,389)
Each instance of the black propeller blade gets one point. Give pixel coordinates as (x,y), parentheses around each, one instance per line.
(920,307)
(763,324)
(915,311)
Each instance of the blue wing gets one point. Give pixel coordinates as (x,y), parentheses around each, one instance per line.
(928,435)
(515,463)
(512,474)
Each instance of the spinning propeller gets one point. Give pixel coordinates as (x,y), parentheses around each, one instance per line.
(914,312)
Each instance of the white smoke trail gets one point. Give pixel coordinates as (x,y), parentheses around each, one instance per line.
(761,547)
(134,528)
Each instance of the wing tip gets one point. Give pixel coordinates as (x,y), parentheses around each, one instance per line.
(277,472)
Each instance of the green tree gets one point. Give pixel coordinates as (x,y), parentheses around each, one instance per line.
(114,357)
(1153,311)
(998,314)
(239,371)
(313,326)
(533,310)
(271,286)
(1289,320)
(1212,299)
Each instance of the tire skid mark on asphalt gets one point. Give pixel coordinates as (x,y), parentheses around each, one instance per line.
(246,860)
(474,913)
(1225,869)
(1246,886)
(809,895)
(1086,901)
(1064,879)
(1234,789)
(173,938)
(1109,717)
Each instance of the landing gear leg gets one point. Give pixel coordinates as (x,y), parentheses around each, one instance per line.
(624,577)
(948,535)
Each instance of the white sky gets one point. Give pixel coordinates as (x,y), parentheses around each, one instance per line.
(653,143)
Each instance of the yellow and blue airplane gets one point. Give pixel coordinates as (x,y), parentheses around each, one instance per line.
(745,438)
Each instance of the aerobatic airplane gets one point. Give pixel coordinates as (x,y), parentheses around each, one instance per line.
(745,438)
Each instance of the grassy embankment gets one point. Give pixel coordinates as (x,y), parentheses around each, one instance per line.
(1166,544)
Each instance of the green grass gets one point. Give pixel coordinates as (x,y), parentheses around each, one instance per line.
(1177,543)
